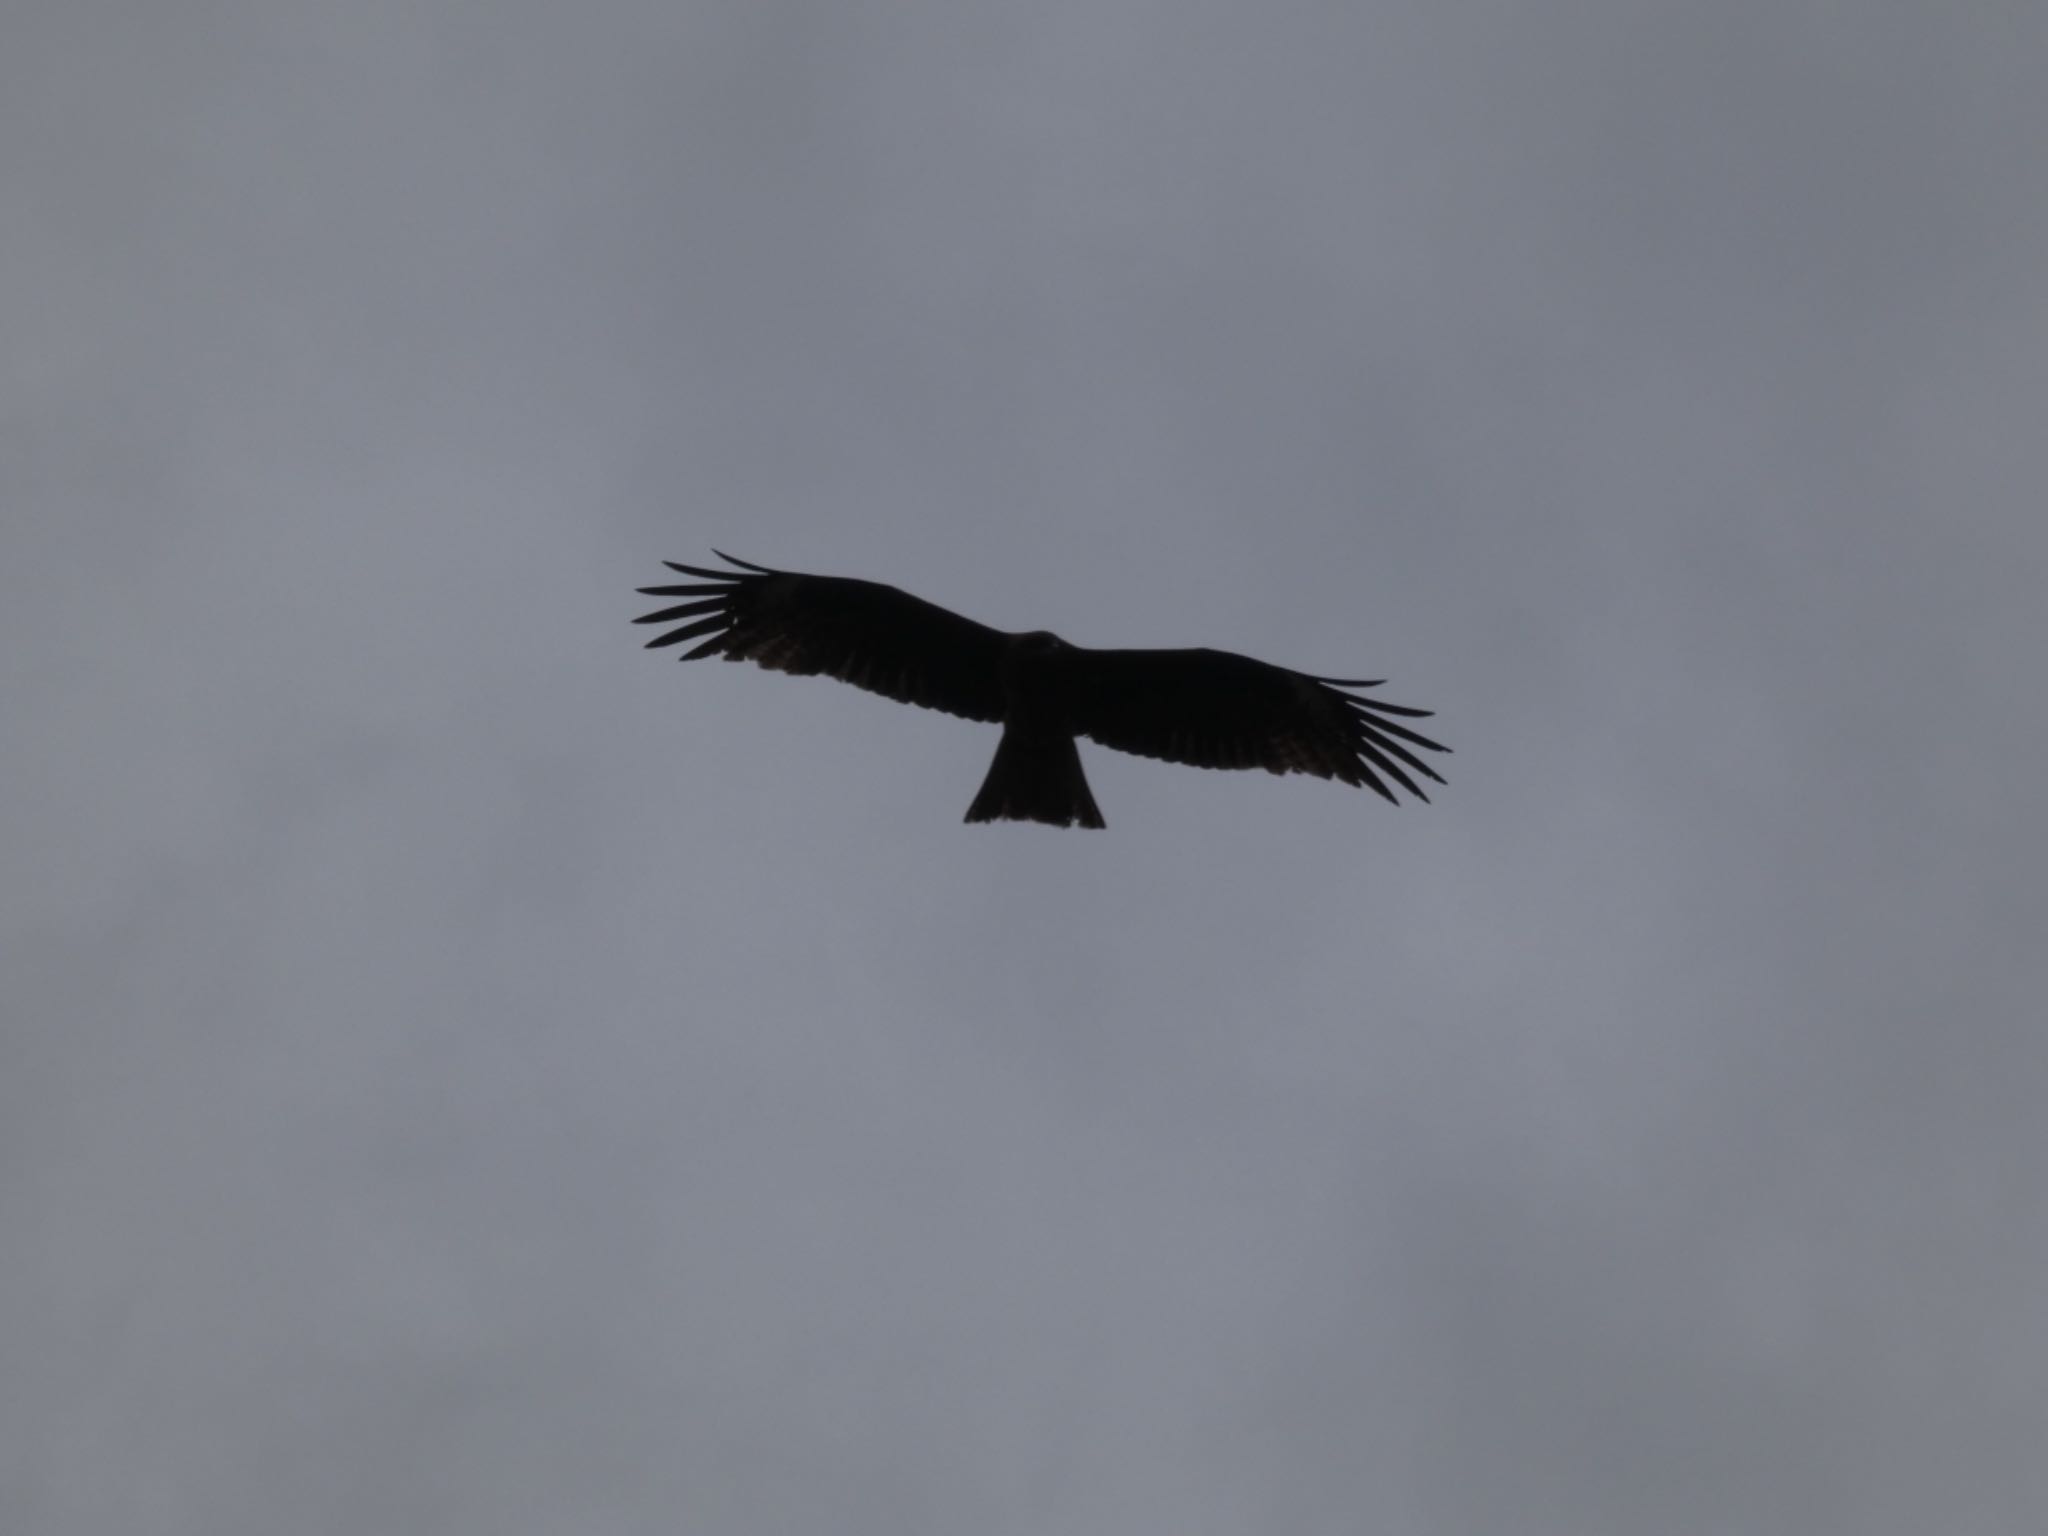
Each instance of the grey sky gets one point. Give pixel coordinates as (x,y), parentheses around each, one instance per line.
(462,1074)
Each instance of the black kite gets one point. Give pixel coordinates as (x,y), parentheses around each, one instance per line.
(1208,708)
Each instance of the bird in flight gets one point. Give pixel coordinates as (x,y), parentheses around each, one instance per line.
(1211,709)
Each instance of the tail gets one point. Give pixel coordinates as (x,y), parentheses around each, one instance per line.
(1036,777)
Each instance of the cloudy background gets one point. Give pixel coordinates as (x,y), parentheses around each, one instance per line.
(462,1074)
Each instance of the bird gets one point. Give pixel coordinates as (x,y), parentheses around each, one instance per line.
(1207,708)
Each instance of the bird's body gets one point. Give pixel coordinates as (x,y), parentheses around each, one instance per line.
(1212,709)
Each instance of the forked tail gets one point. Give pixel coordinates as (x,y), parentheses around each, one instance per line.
(1036,777)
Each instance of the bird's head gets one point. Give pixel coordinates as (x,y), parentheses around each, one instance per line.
(1040,642)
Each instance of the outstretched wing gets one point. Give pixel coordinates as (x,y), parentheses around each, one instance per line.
(861,632)
(1214,709)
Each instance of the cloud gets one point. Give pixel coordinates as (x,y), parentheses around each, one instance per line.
(464,1074)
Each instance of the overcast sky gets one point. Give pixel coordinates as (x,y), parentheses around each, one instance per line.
(462,1074)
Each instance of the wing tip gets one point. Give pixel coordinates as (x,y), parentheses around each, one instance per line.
(701,570)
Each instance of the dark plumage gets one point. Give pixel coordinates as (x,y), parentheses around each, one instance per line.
(1212,709)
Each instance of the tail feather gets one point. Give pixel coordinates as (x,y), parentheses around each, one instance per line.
(1036,776)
